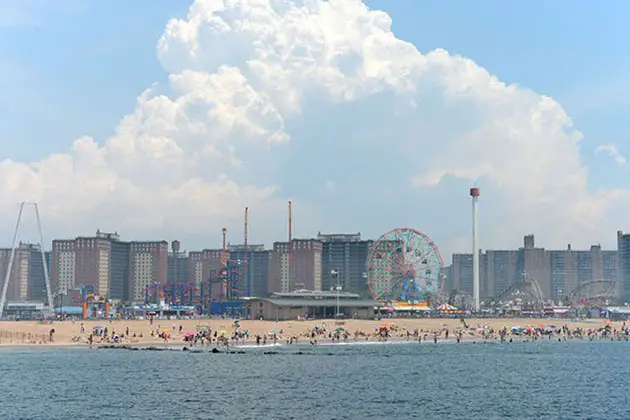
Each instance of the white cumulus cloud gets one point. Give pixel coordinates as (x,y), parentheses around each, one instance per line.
(270,99)
(612,151)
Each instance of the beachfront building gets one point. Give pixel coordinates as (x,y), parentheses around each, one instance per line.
(346,256)
(147,267)
(558,273)
(623,264)
(82,262)
(178,265)
(106,266)
(279,276)
(27,281)
(205,268)
(254,264)
(309,304)
(62,268)
(383,279)
(17,290)
(295,266)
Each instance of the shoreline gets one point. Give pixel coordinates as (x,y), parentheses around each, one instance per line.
(285,348)
(143,333)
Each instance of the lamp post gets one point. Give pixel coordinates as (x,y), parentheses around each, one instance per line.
(364,276)
(60,303)
(335,275)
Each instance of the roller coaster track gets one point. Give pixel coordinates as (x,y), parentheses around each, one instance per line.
(528,291)
(594,290)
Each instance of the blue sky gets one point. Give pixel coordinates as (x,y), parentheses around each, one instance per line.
(70,68)
(567,49)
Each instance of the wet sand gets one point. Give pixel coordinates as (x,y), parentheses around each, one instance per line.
(16,333)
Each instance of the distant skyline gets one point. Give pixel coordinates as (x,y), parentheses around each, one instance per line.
(258,246)
(171,127)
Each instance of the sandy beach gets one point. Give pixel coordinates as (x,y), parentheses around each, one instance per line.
(68,333)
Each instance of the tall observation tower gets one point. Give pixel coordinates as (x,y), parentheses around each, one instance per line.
(16,234)
(474,193)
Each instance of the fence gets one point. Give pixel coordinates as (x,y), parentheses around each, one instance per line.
(14,337)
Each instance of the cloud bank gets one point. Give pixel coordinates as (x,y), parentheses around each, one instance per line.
(318,101)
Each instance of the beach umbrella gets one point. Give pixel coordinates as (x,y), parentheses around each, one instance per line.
(340,329)
(189,334)
(275,330)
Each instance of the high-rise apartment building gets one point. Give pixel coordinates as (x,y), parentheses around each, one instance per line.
(147,267)
(92,259)
(62,268)
(279,275)
(27,281)
(37,273)
(17,290)
(86,261)
(108,266)
(178,265)
(570,269)
(610,270)
(346,255)
(80,262)
(623,264)
(296,265)
(498,272)
(253,269)
(533,263)
(119,270)
(379,271)
(462,273)
(557,272)
(205,268)
(563,273)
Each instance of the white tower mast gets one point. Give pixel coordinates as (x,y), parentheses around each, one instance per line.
(474,193)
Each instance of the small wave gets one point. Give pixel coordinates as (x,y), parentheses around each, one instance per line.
(367,343)
(256,346)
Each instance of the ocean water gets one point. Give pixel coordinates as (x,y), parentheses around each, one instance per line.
(536,380)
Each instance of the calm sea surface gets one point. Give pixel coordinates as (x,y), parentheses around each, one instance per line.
(540,380)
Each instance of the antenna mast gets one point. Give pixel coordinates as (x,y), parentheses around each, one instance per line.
(245,270)
(289,251)
(224,265)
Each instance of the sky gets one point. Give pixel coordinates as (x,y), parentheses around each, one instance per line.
(164,122)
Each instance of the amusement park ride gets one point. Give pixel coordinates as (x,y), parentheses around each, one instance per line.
(404,265)
(213,294)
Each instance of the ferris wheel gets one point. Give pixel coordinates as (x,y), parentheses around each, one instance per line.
(405,265)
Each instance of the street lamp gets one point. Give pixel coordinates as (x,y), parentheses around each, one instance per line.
(364,276)
(335,275)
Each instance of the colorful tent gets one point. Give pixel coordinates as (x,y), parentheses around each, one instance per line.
(446,308)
